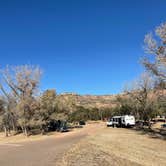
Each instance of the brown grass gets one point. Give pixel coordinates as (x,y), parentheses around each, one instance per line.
(89,129)
(22,138)
(117,147)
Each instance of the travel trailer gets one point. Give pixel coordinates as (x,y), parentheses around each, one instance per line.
(122,121)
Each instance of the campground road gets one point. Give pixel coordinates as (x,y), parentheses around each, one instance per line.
(38,153)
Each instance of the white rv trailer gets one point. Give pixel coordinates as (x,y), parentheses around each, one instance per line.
(122,121)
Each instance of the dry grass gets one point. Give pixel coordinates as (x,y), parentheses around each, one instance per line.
(157,125)
(90,128)
(23,138)
(117,147)
(89,154)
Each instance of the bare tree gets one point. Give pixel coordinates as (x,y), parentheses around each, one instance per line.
(156,46)
(9,116)
(23,82)
(143,97)
(3,117)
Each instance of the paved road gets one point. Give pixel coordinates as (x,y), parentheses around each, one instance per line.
(37,153)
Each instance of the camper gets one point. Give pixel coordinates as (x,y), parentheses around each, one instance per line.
(122,121)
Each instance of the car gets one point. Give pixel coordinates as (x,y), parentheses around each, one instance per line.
(82,123)
(63,127)
(163,125)
(109,122)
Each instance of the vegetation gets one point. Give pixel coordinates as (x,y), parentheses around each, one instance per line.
(85,114)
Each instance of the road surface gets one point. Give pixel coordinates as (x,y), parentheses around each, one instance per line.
(37,153)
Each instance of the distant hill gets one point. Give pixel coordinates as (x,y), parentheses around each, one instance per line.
(69,100)
(88,101)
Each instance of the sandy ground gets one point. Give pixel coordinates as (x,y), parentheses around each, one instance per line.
(117,147)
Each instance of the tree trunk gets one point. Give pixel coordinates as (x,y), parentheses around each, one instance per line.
(101,114)
(25,131)
(14,129)
(6,132)
(22,127)
(42,131)
(14,126)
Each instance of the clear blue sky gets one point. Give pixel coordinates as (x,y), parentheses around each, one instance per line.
(83,46)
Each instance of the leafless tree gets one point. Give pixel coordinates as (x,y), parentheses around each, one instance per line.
(22,82)
(143,96)
(155,45)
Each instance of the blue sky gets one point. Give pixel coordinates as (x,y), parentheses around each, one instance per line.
(82,46)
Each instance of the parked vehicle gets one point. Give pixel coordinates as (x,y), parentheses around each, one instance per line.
(63,127)
(82,123)
(122,121)
(109,123)
(163,126)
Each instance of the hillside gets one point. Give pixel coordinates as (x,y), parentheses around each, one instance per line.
(69,100)
(87,101)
